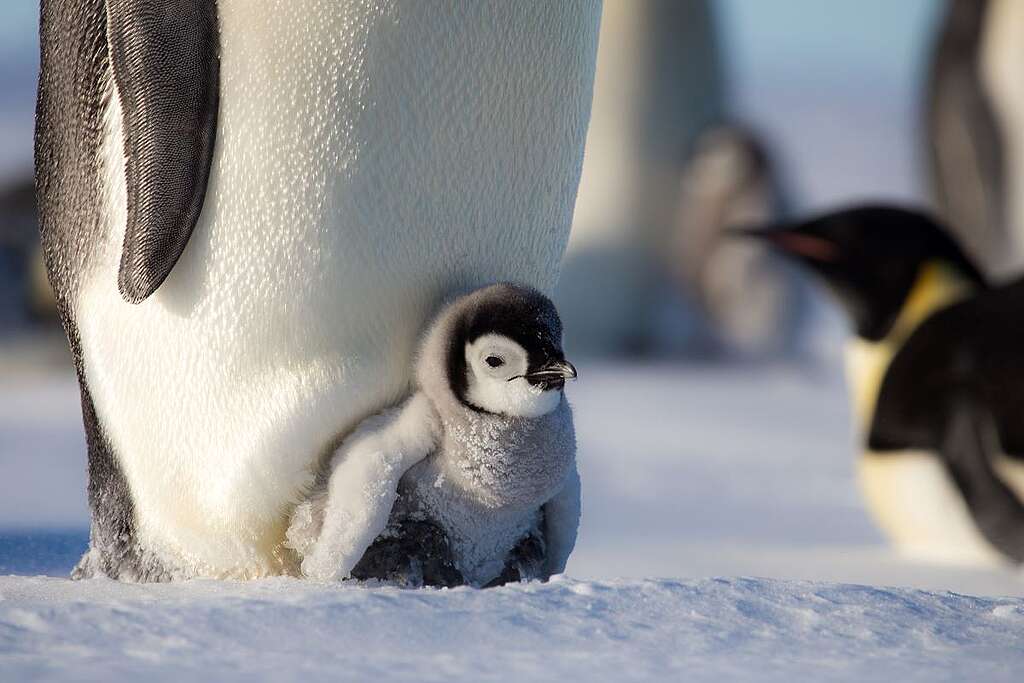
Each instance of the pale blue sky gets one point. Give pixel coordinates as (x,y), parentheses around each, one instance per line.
(835,86)
(18,40)
(822,37)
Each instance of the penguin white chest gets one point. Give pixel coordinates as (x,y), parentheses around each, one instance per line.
(371,157)
(488,483)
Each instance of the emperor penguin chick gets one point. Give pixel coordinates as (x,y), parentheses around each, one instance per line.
(483,452)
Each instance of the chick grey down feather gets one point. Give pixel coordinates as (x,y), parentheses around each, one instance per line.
(441,491)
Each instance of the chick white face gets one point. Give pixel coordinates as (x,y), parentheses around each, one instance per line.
(497,371)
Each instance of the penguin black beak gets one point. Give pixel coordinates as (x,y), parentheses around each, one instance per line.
(793,241)
(552,375)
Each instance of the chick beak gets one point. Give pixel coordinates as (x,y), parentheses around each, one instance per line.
(552,375)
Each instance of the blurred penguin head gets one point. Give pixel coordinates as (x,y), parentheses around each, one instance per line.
(749,297)
(503,352)
(872,258)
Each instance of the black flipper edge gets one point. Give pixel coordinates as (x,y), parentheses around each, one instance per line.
(165,61)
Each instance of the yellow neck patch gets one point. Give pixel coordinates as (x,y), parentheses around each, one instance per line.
(937,286)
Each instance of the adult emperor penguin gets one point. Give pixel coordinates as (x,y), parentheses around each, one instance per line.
(250,208)
(937,379)
(975,154)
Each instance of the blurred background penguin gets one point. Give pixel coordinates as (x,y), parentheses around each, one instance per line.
(973,107)
(751,305)
(935,371)
(935,377)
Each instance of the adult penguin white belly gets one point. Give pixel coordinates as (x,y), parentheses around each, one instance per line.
(370,158)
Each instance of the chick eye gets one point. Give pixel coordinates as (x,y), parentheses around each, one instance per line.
(494,361)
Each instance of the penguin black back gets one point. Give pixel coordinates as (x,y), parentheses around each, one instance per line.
(956,387)
(67,141)
(165,67)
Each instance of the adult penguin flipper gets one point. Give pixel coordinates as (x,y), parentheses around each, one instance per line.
(165,62)
(969,445)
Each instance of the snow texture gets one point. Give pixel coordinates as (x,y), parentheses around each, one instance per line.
(712,629)
(688,471)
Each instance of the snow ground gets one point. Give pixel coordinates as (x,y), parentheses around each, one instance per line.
(689,472)
(710,629)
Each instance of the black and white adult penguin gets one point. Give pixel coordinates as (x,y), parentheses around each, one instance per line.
(249,210)
(937,378)
(974,153)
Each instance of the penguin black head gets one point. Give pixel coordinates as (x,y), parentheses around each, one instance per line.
(504,352)
(871,257)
